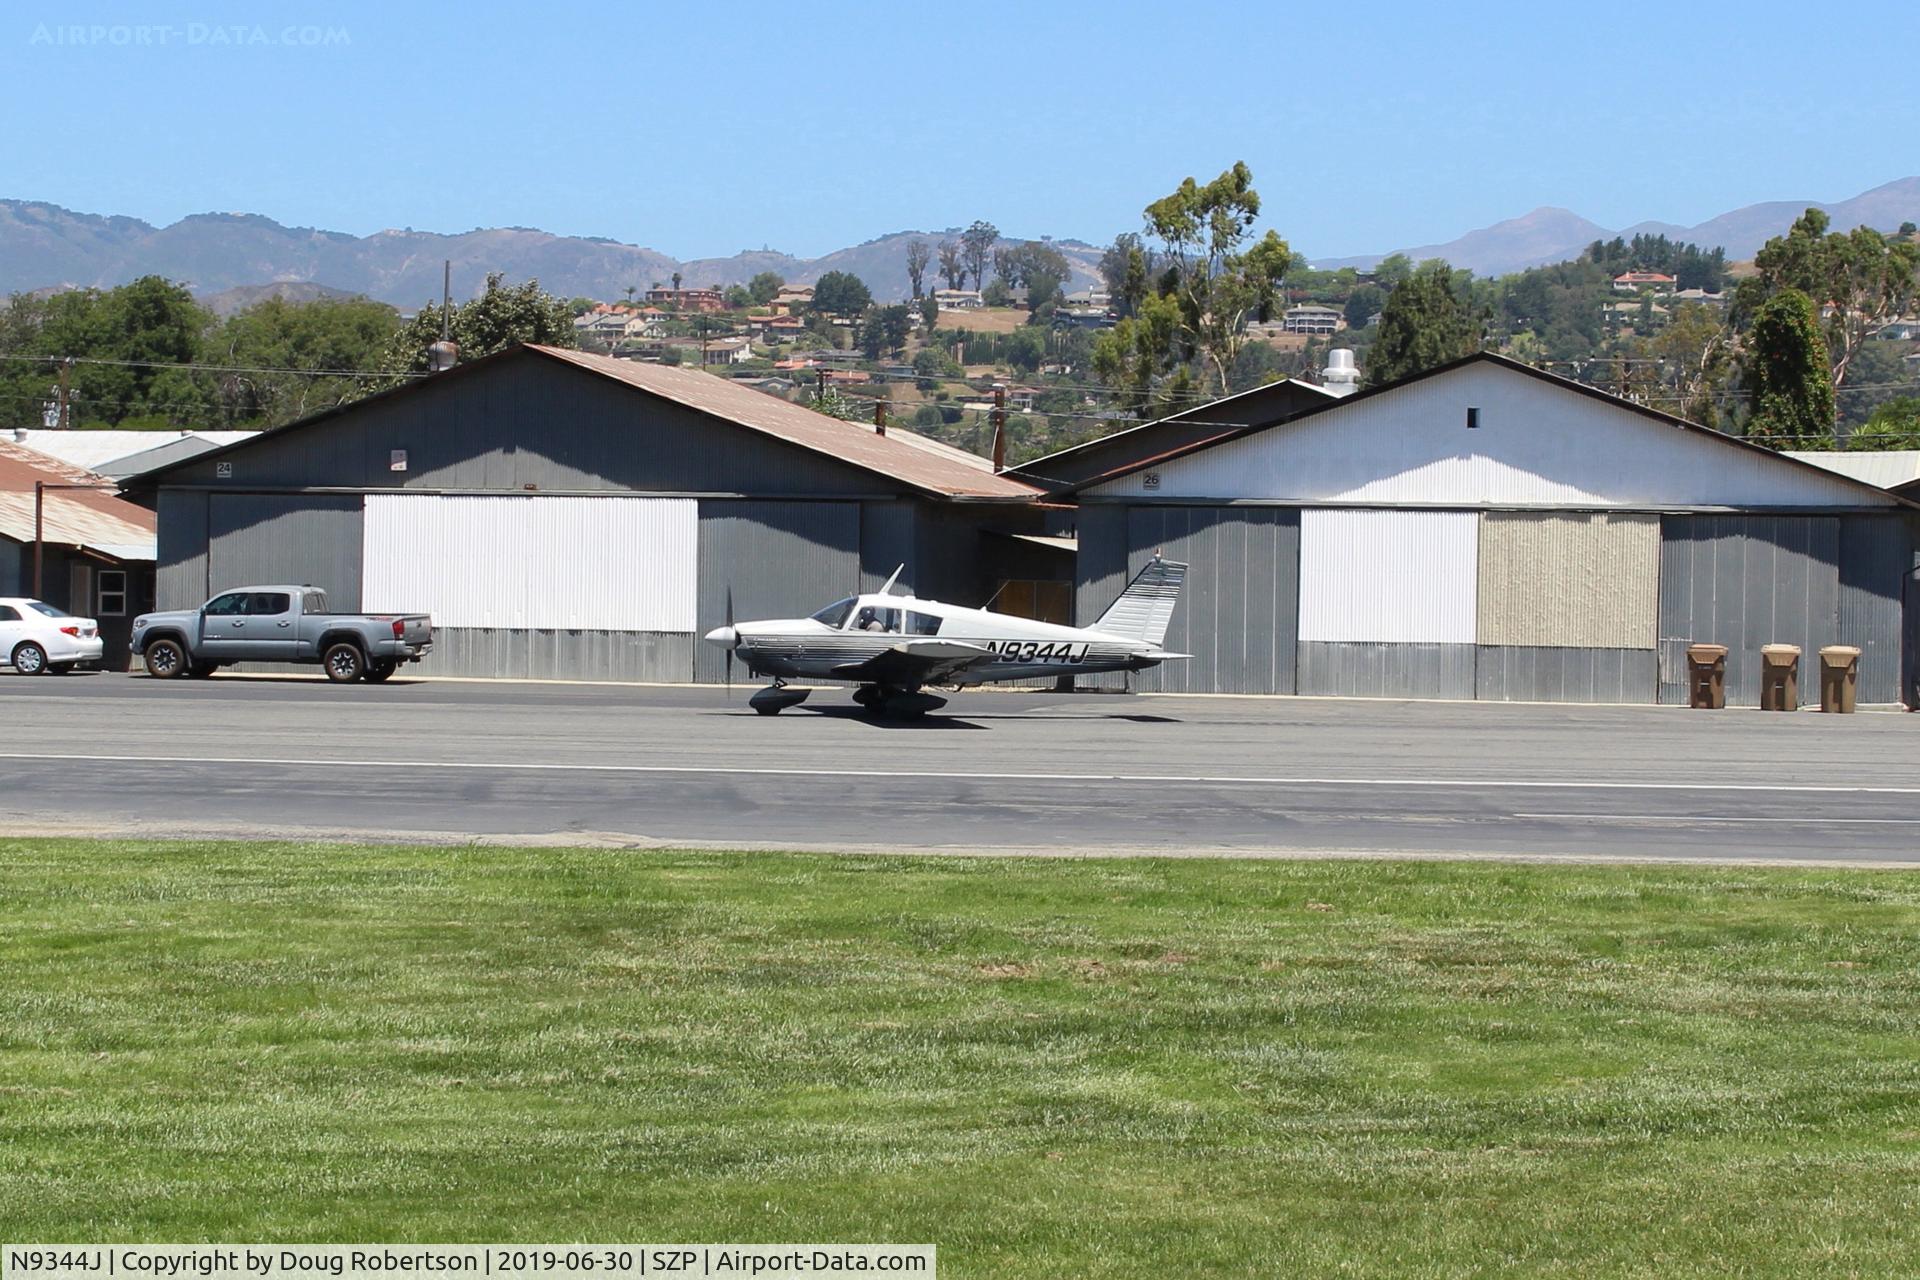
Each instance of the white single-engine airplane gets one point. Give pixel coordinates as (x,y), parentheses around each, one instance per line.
(893,645)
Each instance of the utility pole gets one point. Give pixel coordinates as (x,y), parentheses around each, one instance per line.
(66,367)
(40,488)
(879,417)
(820,384)
(999,425)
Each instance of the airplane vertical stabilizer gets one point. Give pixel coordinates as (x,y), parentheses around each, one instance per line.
(1146,606)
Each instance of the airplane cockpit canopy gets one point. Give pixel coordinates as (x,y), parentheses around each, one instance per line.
(835,614)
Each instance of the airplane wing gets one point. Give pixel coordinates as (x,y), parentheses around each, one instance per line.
(916,662)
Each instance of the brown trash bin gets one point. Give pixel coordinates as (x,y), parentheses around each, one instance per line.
(1707,676)
(1839,678)
(1779,677)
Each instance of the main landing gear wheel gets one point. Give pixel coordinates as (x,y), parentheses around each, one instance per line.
(896,704)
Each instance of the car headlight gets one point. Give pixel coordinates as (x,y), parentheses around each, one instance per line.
(139,623)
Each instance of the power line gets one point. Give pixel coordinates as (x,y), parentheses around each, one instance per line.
(211,368)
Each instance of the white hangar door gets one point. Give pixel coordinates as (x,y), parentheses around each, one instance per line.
(1388,603)
(540,585)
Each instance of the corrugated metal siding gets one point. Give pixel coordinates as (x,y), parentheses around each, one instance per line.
(271,538)
(1507,673)
(1589,581)
(1876,556)
(779,559)
(1237,614)
(1100,563)
(1387,670)
(1537,445)
(1745,581)
(181,577)
(1389,576)
(13,570)
(561,655)
(887,542)
(535,563)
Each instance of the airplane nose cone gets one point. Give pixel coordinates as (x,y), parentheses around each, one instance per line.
(725,637)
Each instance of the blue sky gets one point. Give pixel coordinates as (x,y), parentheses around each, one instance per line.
(703,129)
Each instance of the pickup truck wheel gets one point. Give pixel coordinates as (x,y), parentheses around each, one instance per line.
(165,659)
(379,672)
(29,659)
(344,663)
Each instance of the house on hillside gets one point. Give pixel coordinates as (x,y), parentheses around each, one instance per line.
(1311,317)
(794,297)
(957,299)
(688,299)
(1634,281)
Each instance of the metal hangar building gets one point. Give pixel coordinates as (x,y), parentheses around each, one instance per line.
(1487,530)
(566,515)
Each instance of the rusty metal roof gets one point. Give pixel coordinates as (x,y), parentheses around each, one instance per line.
(923,464)
(91,518)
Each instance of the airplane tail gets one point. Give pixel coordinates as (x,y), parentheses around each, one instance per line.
(1146,606)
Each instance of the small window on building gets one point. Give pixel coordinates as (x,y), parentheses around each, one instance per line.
(268,604)
(922,624)
(112,587)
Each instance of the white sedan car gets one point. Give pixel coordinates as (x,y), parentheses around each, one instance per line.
(36,638)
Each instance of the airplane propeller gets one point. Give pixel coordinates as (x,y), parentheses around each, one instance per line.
(730,647)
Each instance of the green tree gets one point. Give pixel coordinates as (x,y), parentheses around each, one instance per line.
(952,268)
(738,297)
(976,247)
(318,339)
(1786,374)
(764,288)
(841,293)
(1218,278)
(1393,271)
(929,312)
(1132,357)
(501,317)
(1362,303)
(884,330)
(1895,424)
(129,345)
(1860,279)
(1125,268)
(1424,324)
(918,256)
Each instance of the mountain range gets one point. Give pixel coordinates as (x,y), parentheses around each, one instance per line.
(1555,235)
(231,259)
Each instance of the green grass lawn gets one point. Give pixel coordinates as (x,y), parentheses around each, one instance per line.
(1047,1068)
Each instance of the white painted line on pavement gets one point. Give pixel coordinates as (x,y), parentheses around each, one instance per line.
(1696,817)
(1486,784)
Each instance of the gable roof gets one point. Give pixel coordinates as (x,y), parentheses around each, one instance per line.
(1073,468)
(929,470)
(1888,468)
(1505,363)
(91,518)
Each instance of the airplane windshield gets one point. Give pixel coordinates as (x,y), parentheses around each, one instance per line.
(835,614)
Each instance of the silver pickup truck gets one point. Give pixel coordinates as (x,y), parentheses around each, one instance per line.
(279,624)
